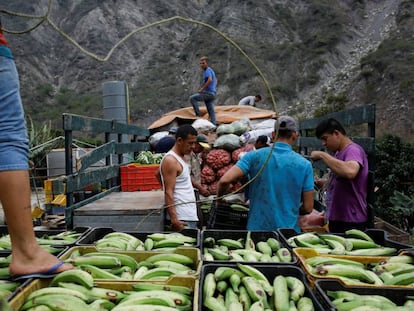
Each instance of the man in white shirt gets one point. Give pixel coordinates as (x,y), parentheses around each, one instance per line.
(250,100)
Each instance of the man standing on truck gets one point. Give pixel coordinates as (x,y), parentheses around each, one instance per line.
(174,175)
(207,92)
(277,189)
(348,180)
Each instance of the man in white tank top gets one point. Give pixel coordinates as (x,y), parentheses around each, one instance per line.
(174,175)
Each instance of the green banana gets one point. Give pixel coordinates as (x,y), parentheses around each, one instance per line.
(326,236)
(8,285)
(257,306)
(305,304)
(284,254)
(235,306)
(101,304)
(209,285)
(223,273)
(244,298)
(296,287)
(358,234)
(219,254)
(125,260)
(258,275)
(249,243)
(97,261)
(171,264)
(209,242)
(178,298)
(213,304)
(172,242)
(98,273)
(230,296)
(158,272)
(235,281)
(321,260)
(230,243)
(149,307)
(57,302)
(401,259)
(76,276)
(154,286)
(379,251)
(114,244)
(263,247)
(221,286)
(254,288)
(359,243)
(345,271)
(140,272)
(148,244)
(281,297)
(159,301)
(337,247)
(402,279)
(235,256)
(57,291)
(274,244)
(183,259)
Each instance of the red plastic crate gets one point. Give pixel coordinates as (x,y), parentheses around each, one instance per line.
(138,177)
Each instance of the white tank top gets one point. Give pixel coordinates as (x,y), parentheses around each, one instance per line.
(184,196)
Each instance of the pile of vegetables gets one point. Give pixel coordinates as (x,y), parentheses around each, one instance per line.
(147,157)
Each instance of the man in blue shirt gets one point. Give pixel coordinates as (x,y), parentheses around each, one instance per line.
(276,191)
(207,92)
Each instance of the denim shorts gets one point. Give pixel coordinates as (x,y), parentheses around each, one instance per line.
(14,148)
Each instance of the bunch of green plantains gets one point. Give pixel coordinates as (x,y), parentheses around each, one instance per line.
(346,300)
(354,242)
(154,241)
(75,290)
(391,271)
(245,249)
(124,266)
(244,287)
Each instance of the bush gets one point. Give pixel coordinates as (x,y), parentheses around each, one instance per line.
(394,172)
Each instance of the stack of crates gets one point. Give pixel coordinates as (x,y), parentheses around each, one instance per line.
(138,177)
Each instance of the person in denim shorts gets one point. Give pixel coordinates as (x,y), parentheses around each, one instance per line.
(28,258)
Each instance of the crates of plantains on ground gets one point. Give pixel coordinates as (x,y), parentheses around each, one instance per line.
(228,216)
(335,295)
(371,271)
(372,242)
(244,246)
(107,238)
(76,291)
(151,266)
(52,240)
(239,286)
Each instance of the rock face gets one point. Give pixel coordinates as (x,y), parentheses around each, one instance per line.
(308,54)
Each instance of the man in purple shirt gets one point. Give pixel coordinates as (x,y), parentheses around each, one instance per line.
(348,180)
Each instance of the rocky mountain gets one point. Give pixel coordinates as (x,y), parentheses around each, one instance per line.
(312,55)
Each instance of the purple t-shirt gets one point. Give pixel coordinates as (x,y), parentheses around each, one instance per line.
(348,197)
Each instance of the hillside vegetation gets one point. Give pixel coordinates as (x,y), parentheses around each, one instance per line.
(315,55)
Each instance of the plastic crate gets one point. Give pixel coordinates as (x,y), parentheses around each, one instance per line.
(396,295)
(256,236)
(17,301)
(137,177)
(224,217)
(98,233)
(270,271)
(193,253)
(379,237)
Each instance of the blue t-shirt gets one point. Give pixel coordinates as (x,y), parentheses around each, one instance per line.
(275,195)
(212,86)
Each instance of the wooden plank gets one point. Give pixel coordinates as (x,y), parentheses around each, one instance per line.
(83,179)
(72,122)
(359,115)
(132,147)
(125,203)
(95,155)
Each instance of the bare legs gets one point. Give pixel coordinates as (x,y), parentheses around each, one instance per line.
(27,255)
